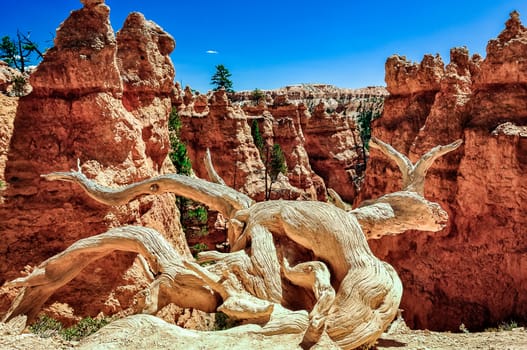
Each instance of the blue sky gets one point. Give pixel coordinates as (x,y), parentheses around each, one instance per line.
(269,44)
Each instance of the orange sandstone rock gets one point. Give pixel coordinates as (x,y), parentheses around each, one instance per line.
(96,100)
(473,271)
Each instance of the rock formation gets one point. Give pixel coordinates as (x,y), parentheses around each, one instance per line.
(103,101)
(314,124)
(473,271)
(7,77)
(216,125)
(8,107)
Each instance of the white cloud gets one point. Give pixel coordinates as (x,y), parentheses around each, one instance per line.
(212,52)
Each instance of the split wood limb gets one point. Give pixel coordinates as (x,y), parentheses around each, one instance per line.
(413,174)
(407,209)
(213,175)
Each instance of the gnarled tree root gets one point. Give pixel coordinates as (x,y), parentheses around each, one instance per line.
(173,281)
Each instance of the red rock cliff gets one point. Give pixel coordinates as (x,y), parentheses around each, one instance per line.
(473,271)
(104,101)
(314,124)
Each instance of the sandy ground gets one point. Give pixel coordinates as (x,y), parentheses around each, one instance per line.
(151,333)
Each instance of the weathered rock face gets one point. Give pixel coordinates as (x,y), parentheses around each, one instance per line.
(214,124)
(473,271)
(321,149)
(104,102)
(282,122)
(7,75)
(312,95)
(335,150)
(8,107)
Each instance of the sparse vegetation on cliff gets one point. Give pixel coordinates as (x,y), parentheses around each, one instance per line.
(273,158)
(368,112)
(178,153)
(193,215)
(258,95)
(46,327)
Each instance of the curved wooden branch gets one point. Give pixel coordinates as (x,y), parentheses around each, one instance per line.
(174,282)
(316,276)
(213,175)
(337,200)
(398,212)
(402,161)
(414,175)
(425,162)
(258,271)
(217,197)
(407,209)
(351,295)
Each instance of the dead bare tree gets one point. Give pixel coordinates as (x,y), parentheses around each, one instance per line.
(283,253)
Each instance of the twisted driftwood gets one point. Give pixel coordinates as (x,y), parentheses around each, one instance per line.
(285,255)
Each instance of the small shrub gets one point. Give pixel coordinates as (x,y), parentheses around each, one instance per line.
(84,328)
(45,326)
(463,328)
(257,95)
(178,151)
(203,231)
(199,214)
(174,121)
(198,248)
(503,326)
(258,139)
(508,326)
(19,85)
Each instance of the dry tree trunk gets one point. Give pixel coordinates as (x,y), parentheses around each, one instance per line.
(309,254)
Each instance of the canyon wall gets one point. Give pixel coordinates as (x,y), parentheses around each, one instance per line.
(473,271)
(104,101)
(315,125)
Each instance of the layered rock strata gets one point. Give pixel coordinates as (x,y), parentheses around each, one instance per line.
(473,271)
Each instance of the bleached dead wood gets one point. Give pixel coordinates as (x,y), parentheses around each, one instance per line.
(213,175)
(404,210)
(173,281)
(218,197)
(285,255)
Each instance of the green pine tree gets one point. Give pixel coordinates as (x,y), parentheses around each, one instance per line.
(178,153)
(277,163)
(221,79)
(257,138)
(19,53)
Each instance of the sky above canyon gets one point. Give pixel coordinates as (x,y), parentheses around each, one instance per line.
(270,44)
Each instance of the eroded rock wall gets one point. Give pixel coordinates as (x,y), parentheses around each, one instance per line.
(473,271)
(314,125)
(105,102)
